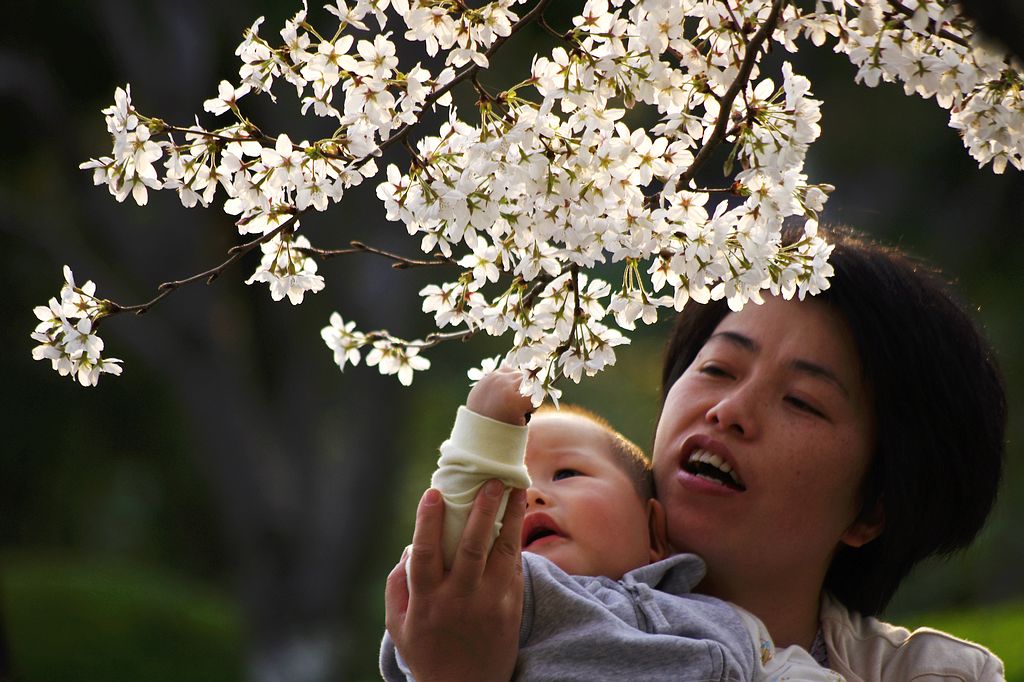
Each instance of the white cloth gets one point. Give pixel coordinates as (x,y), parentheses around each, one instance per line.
(478,450)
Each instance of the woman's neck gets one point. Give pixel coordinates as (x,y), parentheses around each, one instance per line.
(790,613)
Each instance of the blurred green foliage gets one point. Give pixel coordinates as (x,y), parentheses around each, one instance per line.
(999,627)
(77,619)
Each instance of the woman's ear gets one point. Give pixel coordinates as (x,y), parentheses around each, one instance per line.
(868,526)
(658,530)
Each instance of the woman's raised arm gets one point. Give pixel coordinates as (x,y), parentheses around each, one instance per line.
(462,624)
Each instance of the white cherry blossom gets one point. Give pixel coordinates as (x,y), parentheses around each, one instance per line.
(287,269)
(487,366)
(226,99)
(399,359)
(590,161)
(342,338)
(67,336)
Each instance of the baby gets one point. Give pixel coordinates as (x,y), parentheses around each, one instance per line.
(601,600)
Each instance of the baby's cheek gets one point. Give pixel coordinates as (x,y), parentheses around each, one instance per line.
(629,532)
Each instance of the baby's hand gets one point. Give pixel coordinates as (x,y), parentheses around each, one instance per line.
(497,396)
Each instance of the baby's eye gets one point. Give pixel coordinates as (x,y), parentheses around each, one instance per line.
(565,473)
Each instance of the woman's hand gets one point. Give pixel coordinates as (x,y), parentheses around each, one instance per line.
(463,624)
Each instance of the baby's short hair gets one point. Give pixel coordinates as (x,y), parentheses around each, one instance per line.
(625,453)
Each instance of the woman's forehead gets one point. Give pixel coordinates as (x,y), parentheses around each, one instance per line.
(808,335)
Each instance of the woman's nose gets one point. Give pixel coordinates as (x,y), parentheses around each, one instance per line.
(735,412)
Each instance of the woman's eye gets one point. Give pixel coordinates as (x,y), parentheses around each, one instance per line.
(804,407)
(713,371)
(565,473)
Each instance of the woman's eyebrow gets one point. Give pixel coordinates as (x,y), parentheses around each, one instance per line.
(737,339)
(807,367)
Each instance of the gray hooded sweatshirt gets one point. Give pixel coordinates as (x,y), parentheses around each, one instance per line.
(647,626)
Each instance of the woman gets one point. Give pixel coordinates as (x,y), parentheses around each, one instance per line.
(853,435)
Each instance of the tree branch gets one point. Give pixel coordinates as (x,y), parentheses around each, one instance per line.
(438,338)
(943,33)
(718,135)
(401,262)
(468,72)
(543,23)
(234,254)
(166,127)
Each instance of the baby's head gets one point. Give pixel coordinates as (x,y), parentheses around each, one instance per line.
(591,508)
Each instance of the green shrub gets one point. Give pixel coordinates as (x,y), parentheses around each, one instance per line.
(73,619)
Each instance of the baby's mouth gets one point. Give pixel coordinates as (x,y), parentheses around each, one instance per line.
(709,466)
(538,534)
(536,527)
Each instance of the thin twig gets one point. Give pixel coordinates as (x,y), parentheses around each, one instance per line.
(948,35)
(438,338)
(401,262)
(167,127)
(652,199)
(464,74)
(538,286)
(543,23)
(429,341)
(417,159)
(735,21)
(718,135)
(480,89)
(234,254)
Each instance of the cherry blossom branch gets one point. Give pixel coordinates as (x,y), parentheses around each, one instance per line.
(401,262)
(485,96)
(468,72)
(429,341)
(742,77)
(168,127)
(652,199)
(437,338)
(539,284)
(510,197)
(417,160)
(543,23)
(577,311)
(234,253)
(943,33)
(736,22)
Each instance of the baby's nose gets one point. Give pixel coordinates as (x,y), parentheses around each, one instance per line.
(534,497)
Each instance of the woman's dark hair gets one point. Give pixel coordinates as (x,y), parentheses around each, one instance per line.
(939,411)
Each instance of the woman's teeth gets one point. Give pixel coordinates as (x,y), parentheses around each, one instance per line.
(709,466)
(712,459)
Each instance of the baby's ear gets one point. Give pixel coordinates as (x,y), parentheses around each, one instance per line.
(658,530)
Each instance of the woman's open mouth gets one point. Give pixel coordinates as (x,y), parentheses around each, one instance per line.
(711,467)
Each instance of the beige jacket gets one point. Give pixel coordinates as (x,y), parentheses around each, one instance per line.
(865,649)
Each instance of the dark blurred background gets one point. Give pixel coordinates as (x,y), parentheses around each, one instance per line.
(228,509)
